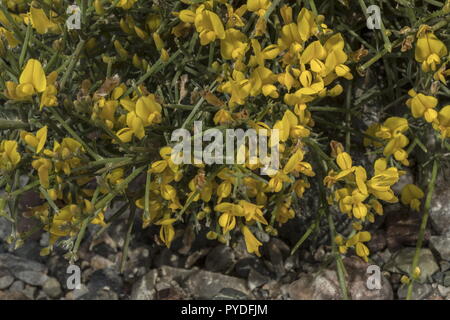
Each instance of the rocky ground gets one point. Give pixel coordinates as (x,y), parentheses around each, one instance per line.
(195,268)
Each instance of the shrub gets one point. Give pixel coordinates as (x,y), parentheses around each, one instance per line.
(88,111)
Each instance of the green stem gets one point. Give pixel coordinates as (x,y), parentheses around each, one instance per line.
(74,134)
(13,124)
(127,238)
(423,226)
(155,68)
(73,60)
(25,46)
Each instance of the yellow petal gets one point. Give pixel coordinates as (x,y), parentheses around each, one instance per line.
(34,74)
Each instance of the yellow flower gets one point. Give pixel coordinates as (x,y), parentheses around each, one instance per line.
(258,6)
(223,117)
(411,195)
(32,80)
(441,74)
(422,105)
(251,242)
(380,184)
(339,239)
(227,219)
(442,123)
(43,167)
(235,16)
(234,45)
(40,22)
(357,241)
(260,55)
(238,87)
(167,231)
(429,49)
(36,142)
(207,23)
(252,212)
(48,98)
(126,4)
(62,224)
(9,157)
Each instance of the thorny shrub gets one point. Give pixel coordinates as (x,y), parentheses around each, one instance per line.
(87,111)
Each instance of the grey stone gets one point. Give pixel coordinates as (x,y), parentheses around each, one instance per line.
(244,266)
(31,277)
(440,206)
(230,294)
(324,285)
(30,272)
(420,291)
(30,291)
(6,278)
(17,286)
(220,259)
(13,295)
(443,291)
(256,279)
(102,294)
(144,288)
(441,244)
(13,262)
(401,261)
(446,281)
(205,284)
(5,229)
(178,274)
(98,262)
(77,293)
(52,288)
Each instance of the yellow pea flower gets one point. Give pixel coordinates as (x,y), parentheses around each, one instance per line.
(258,6)
(339,239)
(41,22)
(9,156)
(36,142)
(357,241)
(411,195)
(167,231)
(234,45)
(206,22)
(252,212)
(441,74)
(126,4)
(429,49)
(62,224)
(238,86)
(227,219)
(43,167)
(260,55)
(422,105)
(306,24)
(442,123)
(223,117)
(235,16)
(148,109)
(251,242)
(313,51)
(32,80)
